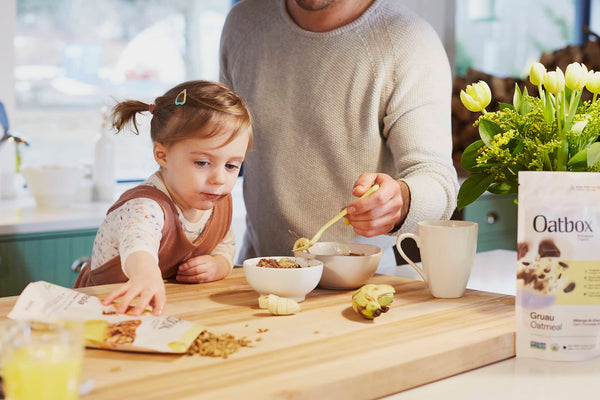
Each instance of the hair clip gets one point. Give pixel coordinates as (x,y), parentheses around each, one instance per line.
(151,108)
(181,98)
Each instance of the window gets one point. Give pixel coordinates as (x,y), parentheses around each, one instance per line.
(502,37)
(75,57)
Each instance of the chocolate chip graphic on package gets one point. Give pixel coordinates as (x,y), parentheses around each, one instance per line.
(543,276)
(557,302)
(569,287)
(547,248)
(522,249)
(527,276)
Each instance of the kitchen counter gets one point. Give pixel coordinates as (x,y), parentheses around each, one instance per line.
(494,271)
(324,351)
(509,379)
(21,216)
(515,378)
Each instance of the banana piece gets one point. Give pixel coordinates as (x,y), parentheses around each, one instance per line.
(278,305)
(372,300)
(263,301)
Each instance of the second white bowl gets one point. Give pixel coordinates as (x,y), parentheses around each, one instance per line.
(343,271)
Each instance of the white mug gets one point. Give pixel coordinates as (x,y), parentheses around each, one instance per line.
(447,252)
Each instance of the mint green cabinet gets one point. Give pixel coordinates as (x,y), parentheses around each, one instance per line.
(46,256)
(497,219)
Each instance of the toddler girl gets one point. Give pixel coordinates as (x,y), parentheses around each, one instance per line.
(177,224)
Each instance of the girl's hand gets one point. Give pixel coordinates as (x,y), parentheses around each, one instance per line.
(205,268)
(145,281)
(381,212)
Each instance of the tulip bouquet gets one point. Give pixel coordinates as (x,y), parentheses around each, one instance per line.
(554,131)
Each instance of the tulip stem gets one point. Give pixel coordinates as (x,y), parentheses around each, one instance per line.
(560,106)
(563,150)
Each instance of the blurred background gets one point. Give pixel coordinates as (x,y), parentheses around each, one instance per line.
(61,62)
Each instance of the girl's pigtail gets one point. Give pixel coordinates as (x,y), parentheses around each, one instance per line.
(125,112)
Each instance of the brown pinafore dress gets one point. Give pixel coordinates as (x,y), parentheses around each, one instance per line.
(175,248)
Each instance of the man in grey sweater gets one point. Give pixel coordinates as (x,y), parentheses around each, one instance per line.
(345,94)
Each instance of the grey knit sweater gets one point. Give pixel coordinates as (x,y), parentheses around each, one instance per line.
(371,96)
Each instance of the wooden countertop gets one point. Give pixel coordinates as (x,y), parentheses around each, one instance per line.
(325,351)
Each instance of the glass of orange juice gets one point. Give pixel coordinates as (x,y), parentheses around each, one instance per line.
(41,360)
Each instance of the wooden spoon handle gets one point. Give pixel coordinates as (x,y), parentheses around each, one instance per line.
(342,214)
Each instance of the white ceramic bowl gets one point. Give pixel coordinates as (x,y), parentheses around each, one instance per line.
(293,283)
(53,186)
(343,271)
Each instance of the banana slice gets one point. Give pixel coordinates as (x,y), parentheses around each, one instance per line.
(278,305)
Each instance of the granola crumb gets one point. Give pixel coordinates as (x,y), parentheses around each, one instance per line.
(316,332)
(258,339)
(260,330)
(211,345)
(115,369)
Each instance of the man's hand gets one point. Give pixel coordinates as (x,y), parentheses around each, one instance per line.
(382,211)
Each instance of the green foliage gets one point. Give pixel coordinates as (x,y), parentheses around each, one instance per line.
(526,137)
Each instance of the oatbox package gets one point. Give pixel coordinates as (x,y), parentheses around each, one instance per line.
(558,266)
(104,327)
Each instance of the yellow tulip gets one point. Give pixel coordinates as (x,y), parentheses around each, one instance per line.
(593,82)
(576,76)
(476,97)
(537,71)
(554,81)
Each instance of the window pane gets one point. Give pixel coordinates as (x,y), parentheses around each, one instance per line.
(502,37)
(595,17)
(74,57)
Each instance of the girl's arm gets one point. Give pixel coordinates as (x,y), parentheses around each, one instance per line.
(145,281)
(136,229)
(207,268)
(212,267)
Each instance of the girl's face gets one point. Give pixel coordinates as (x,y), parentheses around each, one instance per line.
(199,171)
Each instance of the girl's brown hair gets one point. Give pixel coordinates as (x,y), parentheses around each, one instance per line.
(209,109)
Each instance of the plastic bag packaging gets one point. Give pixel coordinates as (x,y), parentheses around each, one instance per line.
(558,266)
(104,327)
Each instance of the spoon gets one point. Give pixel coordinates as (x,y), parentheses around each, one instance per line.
(303,243)
(298,239)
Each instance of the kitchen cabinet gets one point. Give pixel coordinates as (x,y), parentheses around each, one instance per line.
(497,219)
(47,256)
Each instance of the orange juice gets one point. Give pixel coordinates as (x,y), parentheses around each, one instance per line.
(41,360)
(42,371)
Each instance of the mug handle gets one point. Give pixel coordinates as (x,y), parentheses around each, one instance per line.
(406,258)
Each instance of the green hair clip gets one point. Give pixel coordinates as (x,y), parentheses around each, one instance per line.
(181,98)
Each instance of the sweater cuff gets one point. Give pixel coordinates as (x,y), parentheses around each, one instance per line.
(427,202)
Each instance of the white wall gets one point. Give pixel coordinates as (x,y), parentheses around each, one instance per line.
(7,54)
(7,91)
